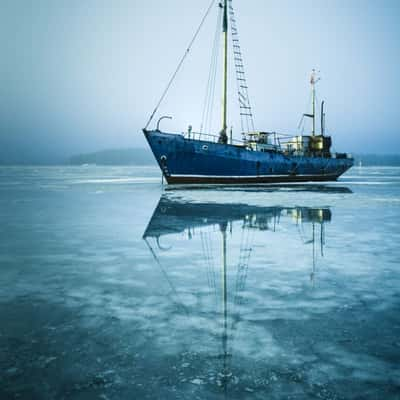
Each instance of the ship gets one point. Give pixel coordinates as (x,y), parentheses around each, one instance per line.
(259,157)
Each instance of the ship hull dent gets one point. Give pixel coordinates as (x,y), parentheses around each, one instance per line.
(189,161)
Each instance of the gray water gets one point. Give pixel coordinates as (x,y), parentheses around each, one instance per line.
(113,288)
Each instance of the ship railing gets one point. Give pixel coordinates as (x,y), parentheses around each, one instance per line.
(282,143)
(279,143)
(209,137)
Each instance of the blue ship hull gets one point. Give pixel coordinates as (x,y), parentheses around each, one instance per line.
(189,161)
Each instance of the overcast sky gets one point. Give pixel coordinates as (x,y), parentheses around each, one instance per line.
(83,75)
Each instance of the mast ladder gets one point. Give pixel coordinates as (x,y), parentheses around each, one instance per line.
(246,115)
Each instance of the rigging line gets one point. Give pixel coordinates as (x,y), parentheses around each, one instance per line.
(165,275)
(212,92)
(301,125)
(212,267)
(208,258)
(212,95)
(211,101)
(238,272)
(180,63)
(208,240)
(211,87)
(214,58)
(206,95)
(205,258)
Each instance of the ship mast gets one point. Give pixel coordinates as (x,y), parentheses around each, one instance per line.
(313,82)
(313,101)
(225,371)
(223,138)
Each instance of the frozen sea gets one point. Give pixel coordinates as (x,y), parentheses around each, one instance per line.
(113,287)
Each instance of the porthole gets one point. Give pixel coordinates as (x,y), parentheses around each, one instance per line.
(204,147)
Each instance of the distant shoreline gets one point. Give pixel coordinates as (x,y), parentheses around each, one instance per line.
(144,157)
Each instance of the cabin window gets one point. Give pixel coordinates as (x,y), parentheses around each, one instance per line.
(204,147)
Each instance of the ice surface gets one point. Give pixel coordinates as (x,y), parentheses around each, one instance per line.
(113,288)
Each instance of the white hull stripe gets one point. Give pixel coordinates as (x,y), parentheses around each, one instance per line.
(249,176)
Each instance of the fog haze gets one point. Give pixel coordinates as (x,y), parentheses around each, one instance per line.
(80,76)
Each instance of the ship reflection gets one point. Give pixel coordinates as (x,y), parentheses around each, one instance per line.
(216,225)
(311,188)
(175,216)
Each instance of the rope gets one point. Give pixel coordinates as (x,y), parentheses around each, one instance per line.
(164,273)
(180,63)
(210,88)
(301,123)
(207,259)
(210,107)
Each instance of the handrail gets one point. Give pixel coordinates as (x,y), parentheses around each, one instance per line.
(163,117)
(282,139)
(192,135)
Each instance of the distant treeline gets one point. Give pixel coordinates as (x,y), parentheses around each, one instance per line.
(377,159)
(145,157)
(115,157)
